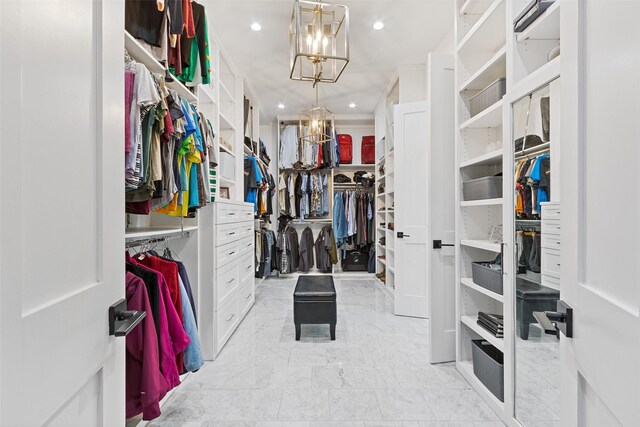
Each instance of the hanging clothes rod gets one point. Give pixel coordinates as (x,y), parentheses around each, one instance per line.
(136,242)
(533,151)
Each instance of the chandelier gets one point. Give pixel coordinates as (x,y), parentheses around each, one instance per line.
(316,124)
(319,41)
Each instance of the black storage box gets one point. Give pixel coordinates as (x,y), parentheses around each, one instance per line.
(356,261)
(487,277)
(488,366)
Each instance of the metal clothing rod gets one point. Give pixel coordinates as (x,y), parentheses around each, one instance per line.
(136,242)
(533,153)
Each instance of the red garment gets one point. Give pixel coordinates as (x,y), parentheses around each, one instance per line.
(146,385)
(170,272)
(175,57)
(168,124)
(188,23)
(173,338)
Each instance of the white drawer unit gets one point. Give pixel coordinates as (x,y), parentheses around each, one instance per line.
(227,319)
(234,268)
(551,226)
(227,282)
(551,263)
(550,242)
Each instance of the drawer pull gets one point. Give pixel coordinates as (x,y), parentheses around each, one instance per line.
(231,317)
(232,252)
(248,266)
(231,214)
(231,281)
(249,245)
(558,265)
(248,296)
(231,234)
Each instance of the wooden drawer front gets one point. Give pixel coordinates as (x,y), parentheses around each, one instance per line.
(228,253)
(551,282)
(246,296)
(550,241)
(551,263)
(227,283)
(246,267)
(226,214)
(227,233)
(246,245)
(551,211)
(245,229)
(226,321)
(551,227)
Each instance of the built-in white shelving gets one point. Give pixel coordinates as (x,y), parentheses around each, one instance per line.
(483,202)
(472,323)
(485,245)
(489,118)
(546,27)
(489,159)
(468,282)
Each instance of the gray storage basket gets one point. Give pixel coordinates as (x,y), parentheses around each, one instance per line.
(487,277)
(487,96)
(488,366)
(489,187)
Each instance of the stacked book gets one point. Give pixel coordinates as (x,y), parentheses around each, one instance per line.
(493,323)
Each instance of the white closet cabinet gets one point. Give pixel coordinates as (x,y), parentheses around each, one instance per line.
(231,292)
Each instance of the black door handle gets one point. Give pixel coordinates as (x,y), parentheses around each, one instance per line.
(401,235)
(437,244)
(554,322)
(121,320)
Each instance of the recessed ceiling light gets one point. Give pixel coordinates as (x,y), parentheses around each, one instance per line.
(378,25)
(352,105)
(281,106)
(256,27)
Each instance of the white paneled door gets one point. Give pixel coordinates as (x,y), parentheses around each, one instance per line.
(61,204)
(600,273)
(441,208)
(411,138)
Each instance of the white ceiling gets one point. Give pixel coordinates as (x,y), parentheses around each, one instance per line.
(412,29)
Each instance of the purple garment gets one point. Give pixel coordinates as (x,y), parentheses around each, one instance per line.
(129,79)
(145,383)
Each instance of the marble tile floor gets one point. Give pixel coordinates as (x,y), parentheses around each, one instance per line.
(375,374)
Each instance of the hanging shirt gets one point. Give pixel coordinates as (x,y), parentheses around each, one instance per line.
(288,147)
(192,354)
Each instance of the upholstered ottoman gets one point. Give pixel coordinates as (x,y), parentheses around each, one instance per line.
(314,303)
(530,297)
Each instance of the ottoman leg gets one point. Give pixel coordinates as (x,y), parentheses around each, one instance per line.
(298,331)
(332,329)
(524,330)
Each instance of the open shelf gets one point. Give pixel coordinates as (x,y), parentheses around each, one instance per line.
(546,27)
(486,245)
(471,322)
(468,282)
(495,68)
(225,94)
(489,118)
(368,166)
(142,55)
(206,91)
(224,182)
(226,150)
(475,7)
(488,34)
(225,123)
(151,232)
(490,159)
(484,202)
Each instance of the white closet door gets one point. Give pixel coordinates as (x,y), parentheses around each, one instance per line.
(441,208)
(600,205)
(61,212)
(411,138)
